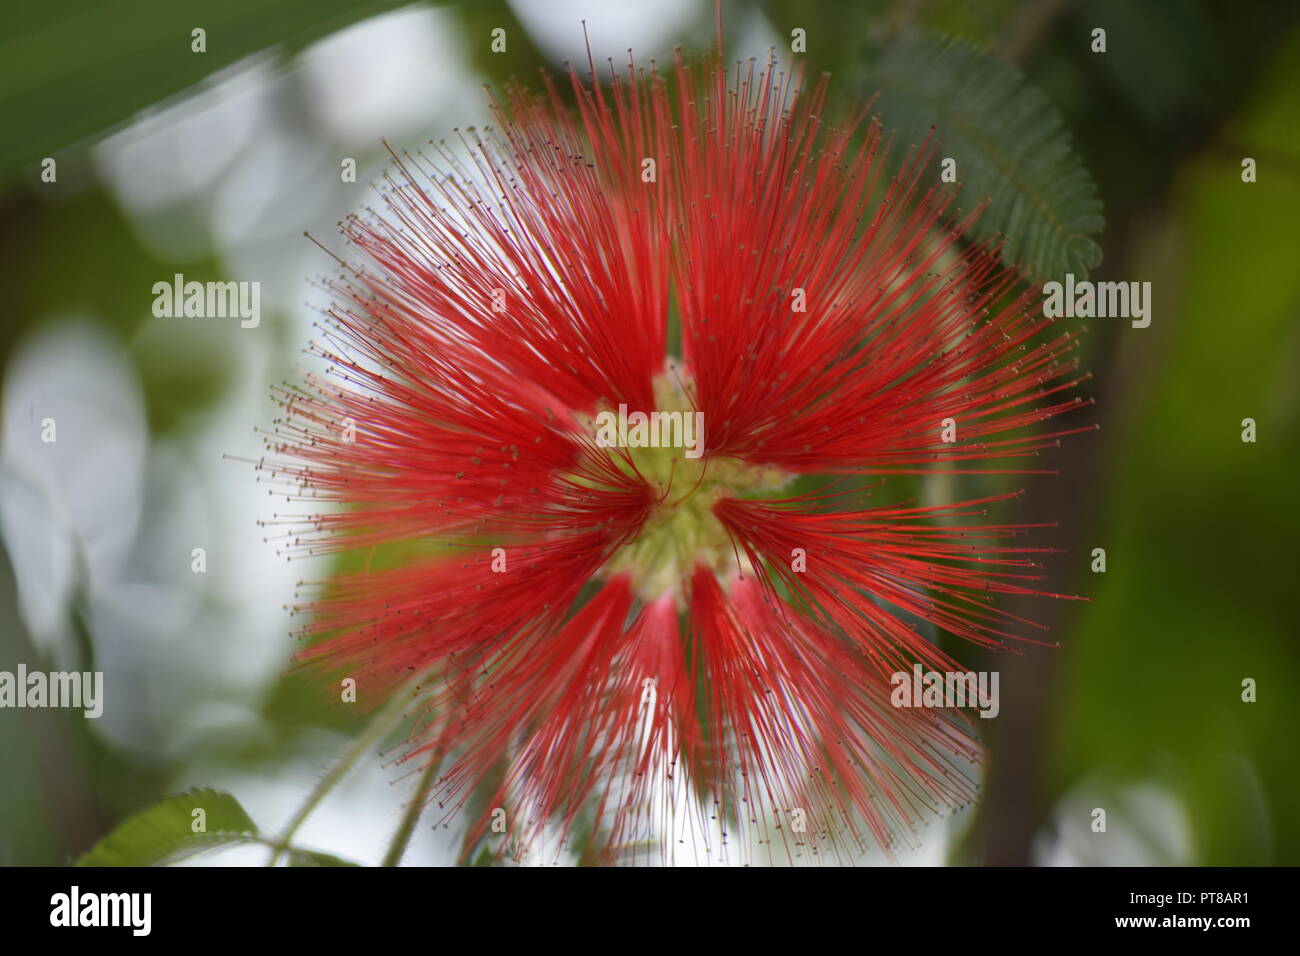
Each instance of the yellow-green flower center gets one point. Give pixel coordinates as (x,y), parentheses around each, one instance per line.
(681,532)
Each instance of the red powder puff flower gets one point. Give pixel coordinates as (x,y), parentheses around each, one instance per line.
(630,631)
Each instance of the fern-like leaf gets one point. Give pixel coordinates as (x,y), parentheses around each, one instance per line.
(1010,147)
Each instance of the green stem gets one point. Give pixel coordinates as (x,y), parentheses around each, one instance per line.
(384,721)
(412,815)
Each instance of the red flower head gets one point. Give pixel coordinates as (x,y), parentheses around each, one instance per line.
(631,622)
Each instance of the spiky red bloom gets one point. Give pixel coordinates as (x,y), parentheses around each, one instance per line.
(642,652)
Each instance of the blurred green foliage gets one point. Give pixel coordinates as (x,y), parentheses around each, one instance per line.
(70,69)
(1201,538)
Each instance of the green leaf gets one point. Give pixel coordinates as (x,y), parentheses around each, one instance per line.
(164,832)
(70,69)
(1010,145)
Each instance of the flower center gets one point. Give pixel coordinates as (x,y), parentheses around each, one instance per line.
(681,531)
